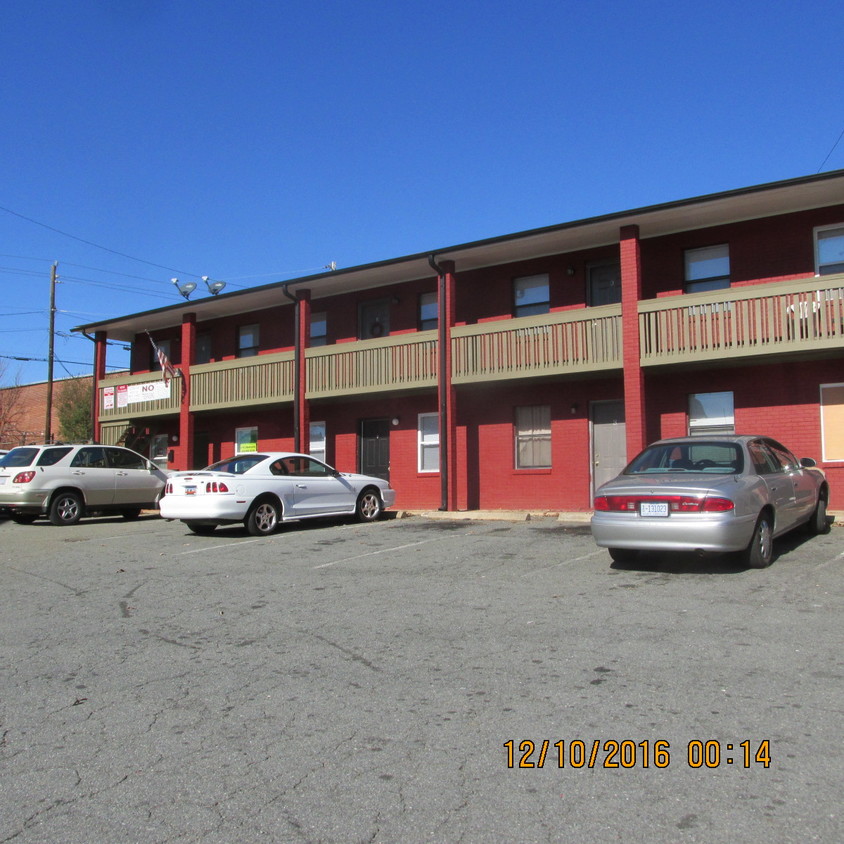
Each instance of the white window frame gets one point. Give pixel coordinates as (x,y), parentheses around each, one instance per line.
(425,301)
(246,436)
(427,443)
(534,436)
(531,282)
(319,319)
(703,425)
(248,351)
(700,256)
(317,443)
(818,235)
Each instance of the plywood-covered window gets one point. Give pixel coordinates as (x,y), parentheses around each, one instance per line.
(832,421)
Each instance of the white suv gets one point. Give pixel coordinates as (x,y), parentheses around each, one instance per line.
(66,482)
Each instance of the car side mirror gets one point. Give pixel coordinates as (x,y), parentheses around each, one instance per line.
(808,463)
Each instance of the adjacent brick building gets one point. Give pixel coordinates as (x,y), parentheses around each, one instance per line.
(518,371)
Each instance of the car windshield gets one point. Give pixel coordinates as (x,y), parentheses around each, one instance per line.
(704,456)
(17,457)
(238,464)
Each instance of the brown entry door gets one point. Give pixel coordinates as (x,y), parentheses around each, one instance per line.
(374,448)
(609,441)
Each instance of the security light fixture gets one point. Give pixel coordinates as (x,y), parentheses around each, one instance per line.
(184,289)
(214,287)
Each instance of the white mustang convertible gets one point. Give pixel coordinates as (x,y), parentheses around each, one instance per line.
(262,490)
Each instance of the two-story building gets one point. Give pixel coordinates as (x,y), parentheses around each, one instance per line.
(519,371)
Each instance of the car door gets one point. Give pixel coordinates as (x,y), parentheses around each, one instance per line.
(134,482)
(317,489)
(778,482)
(804,484)
(90,472)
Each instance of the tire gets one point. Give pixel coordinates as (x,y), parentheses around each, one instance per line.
(369,506)
(66,508)
(623,555)
(760,553)
(818,523)
(23,518)
(263,518)
(130,513)
(200,529)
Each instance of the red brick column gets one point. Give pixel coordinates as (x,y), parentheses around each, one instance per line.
(446,393)
(303,334)
(184,453)
(100,339)
(634,378)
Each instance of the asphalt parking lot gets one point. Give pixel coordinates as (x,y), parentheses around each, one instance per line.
(353,683)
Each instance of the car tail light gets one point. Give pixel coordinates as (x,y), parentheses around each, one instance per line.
(168,488)
(676,503)
(216,486)
(23,477)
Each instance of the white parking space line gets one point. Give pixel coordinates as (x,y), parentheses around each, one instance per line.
(566,562)
(206,548)
(374,553)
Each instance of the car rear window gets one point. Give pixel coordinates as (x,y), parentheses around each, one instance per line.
(703,456)
(237,465)
(21,456)
(51,456)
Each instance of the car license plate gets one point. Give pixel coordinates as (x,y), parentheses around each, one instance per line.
(653,508)
(190,490)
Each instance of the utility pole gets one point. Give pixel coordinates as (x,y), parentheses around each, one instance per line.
(48,424)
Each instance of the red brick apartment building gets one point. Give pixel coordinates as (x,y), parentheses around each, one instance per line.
(519,371)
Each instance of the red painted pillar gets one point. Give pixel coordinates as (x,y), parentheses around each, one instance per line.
(634,378)
(303,335)
(184,453)
(446,393)
(100,338)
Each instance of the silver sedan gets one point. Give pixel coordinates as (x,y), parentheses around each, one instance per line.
(263,490)
(710,494)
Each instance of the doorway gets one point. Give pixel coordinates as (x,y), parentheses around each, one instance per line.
(374,448)
(609,441)
(374,319)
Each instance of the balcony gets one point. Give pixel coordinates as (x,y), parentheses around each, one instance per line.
(563,342)
(805,316)
(402,362)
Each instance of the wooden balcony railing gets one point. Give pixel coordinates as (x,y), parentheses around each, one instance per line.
(264,379)
(761,320)
(583,340)
(390,363)
(742,322)
(122,397)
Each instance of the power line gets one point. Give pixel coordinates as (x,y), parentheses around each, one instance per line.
(95,245)
(831,151)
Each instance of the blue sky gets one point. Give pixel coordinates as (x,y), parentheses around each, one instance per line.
(259,141)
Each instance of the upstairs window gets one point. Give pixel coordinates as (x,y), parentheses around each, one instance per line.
(319,329)
(429,311)
(202,352)
(707,268)
(829,250)
(247,341)
(531,295)
(164,346)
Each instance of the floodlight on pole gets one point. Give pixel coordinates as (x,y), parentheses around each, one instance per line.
(184,289)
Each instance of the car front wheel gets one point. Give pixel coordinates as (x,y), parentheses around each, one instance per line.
(818,523)
(369,506)
(263,518)
(760,552)
(66,508)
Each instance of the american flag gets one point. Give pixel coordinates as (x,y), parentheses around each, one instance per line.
(168,371)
